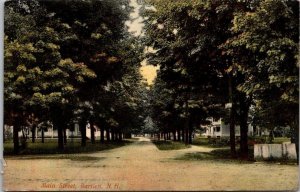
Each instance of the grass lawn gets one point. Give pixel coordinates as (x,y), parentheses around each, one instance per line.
(222,154)
(279,140)
(51,147)
(170,145)
(204,141)
(222,142)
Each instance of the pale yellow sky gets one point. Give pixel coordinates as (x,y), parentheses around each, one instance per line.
(148,71)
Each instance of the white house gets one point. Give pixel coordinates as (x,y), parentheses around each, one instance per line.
(50,132)
(218,128)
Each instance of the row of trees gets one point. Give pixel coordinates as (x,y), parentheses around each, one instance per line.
(215,52)
(71,62)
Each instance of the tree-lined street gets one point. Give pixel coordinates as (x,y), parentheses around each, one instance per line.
(77,88)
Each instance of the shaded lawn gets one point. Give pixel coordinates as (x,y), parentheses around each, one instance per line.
(170,145)
(217,154)
(225,142)
(223,155)
(51,147)
(207,142)
(279,140)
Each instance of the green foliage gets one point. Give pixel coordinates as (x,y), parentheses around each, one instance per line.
(269,37)
(264,47)
(186,35)
(66,54)
(76,61)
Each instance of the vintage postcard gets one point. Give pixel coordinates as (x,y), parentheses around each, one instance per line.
(151,95)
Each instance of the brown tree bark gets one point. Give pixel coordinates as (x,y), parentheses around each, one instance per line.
(65,134)
(113,135)
(190,133)
(178,135)
(244,110)
(183,135)
(174,135)
(102,134)
(33,129)
(232,119)
(107,134)
(232,134)
(92,131)
(43,135)
(120,136)
(295,132)
(60,135)
(186,130)
(16,128)
(82,125)
(57,124)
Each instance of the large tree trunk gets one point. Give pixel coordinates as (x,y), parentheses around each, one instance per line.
(174,135)
(65,134)
(186,130)
(190,132)
(232,133)
(16,128)
(107,134)
(232,119)
(186,140)
(43,135)
(33,130)
(120,136)
(102,134)
(127,135)
(57,121)
(244,109)
(113,135)
(60,135)
(187,123)
(92,131)
(116,135)
(82,125)
(244,139)
(295,133)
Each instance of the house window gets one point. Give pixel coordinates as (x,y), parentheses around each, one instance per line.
(218,129)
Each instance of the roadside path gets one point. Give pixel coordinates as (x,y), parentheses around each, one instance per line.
(141,166)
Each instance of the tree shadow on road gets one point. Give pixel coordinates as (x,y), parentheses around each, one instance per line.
(222,155)
(71,157)
(50,147)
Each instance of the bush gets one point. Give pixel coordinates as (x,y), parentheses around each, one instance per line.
(256,140)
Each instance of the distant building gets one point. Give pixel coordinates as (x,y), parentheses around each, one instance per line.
(218,128)
(50,132)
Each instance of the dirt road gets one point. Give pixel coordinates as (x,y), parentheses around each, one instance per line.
(141,166)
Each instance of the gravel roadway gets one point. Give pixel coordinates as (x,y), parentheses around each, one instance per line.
(141,166)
